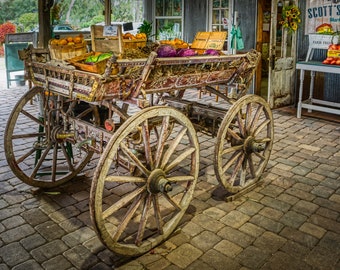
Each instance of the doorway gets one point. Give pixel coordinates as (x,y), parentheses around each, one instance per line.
(262,45)
(275,80)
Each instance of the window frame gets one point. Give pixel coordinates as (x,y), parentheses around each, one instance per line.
(158,18)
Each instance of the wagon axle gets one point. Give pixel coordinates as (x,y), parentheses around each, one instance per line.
(157,182)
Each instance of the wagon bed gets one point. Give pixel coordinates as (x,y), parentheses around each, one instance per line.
(146,76)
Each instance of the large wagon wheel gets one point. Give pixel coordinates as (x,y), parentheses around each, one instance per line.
(40,149)
(144,180)
(244,143)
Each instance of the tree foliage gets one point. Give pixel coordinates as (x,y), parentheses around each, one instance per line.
(27,21)
(83,13)
(11,10)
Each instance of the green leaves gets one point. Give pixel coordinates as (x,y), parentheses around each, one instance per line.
(146,28)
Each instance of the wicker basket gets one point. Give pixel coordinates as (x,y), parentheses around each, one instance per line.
(134,43)
(65,52)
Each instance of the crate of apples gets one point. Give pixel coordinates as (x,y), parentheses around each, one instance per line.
(333,55)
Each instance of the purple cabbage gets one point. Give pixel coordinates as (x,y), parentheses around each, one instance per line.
(211,52)
(166,51)
(186,52)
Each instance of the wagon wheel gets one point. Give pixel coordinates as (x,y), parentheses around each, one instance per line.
(144,180)
(39,149)
(244,142)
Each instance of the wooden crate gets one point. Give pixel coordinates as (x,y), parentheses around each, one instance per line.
(103,40)
(98,67)
(209,40)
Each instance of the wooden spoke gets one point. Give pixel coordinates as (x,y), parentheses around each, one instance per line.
(241,124)
(248,115)
(161,142)
(179,159)
(129,214)
(54,162)
(124,179)
(122,202)
(234,134)
(28,135)
(173,203)
(180,178)
(231,161)
(134,159)
(143,220)
(23,157)
(243,172)
(261,127)
(237,167)
(31,117)
(259,155)
(172,147)
(255,119)
(157,211)
(232,149)
(67,158)
(264,140)
(41,160)
(147,146)
(251,166)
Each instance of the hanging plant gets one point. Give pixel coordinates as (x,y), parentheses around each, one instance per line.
(56,13)
(291,17)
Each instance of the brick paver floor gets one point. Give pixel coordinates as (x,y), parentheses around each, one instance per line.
(290,221)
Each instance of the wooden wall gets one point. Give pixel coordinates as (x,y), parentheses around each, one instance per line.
(248,16)
(195,18)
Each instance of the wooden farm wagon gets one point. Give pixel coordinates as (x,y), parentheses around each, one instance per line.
(140,122)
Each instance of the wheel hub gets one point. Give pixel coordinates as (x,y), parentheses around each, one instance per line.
(58,135)
(157,182)
(251,146)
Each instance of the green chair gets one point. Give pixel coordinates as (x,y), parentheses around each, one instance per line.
(12,61)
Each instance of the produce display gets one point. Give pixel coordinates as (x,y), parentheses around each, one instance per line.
(133,37)
(176,43)
(333,55)
(324,28)
(170,51)
(131,47)
(67,48)
(92,59)
(67,41)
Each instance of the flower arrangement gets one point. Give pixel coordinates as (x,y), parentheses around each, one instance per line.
(291,17)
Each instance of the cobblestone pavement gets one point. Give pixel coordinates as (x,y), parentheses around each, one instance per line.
(290,221)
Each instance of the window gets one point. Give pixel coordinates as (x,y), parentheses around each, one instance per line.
(168,18)
(220,18)
(220,15)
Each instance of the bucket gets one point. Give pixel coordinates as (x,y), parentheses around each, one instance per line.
(19,80)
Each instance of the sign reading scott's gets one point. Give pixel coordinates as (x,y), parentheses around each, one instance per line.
(322,16)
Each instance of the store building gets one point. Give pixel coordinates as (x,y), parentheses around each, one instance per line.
(260,24)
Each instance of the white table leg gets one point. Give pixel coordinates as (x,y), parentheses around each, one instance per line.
(311,87)
(302,76)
